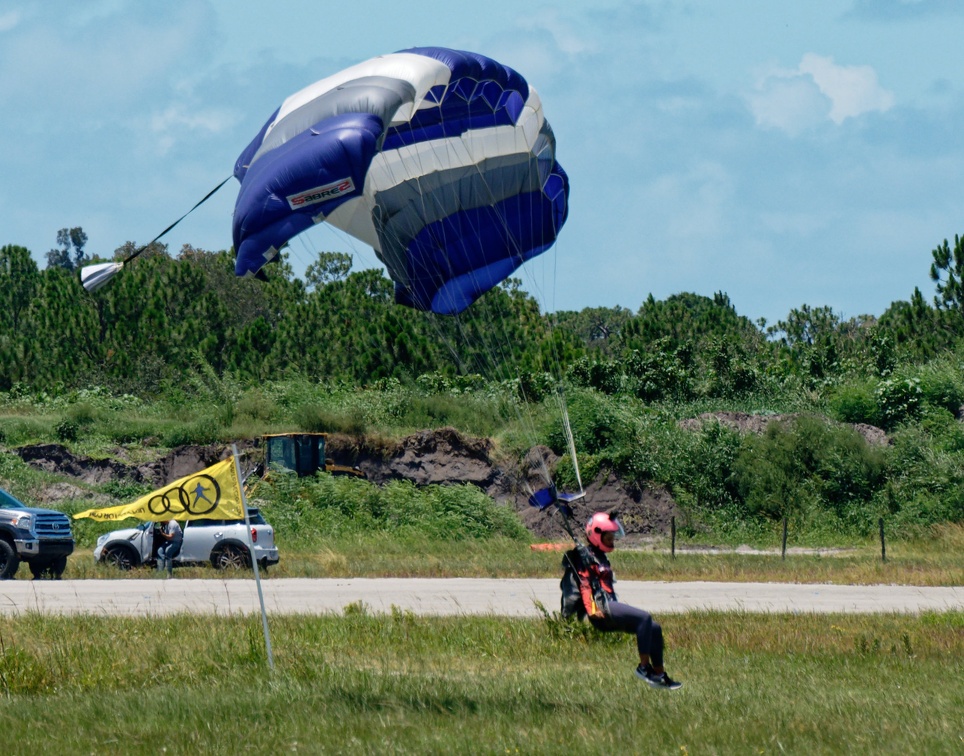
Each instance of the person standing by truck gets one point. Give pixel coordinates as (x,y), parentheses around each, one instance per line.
(174,537)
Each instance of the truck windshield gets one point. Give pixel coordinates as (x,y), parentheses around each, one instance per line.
(8,502)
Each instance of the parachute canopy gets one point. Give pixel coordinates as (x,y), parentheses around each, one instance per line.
(440,160)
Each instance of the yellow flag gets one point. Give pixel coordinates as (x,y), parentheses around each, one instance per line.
(213,494)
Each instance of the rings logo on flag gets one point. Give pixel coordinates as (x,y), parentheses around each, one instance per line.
(197,496)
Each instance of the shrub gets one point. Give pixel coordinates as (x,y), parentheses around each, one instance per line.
(941,386)
(203,431)
(730,374)
(704,478)
(605,376)
(659,374)
(68,430)
(926,477)
(125,430)
(468,413)
(596,425)
(898,399)
(565,472)
(322,420)
(808,470)
(255,405)
(534,386)
(83,413)
(856,403)
(343,507)
(655,449)
(25,430)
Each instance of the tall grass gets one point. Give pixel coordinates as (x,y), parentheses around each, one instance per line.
(404,684)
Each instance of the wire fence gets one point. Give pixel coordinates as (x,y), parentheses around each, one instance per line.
(783,540)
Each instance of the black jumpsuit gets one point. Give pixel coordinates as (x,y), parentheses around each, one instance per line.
(619,617)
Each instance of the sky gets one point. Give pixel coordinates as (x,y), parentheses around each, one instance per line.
(783,153)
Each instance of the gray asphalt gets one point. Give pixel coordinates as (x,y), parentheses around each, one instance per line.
(449,596)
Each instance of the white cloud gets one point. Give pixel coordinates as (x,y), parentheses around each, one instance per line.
(178,121)
(213,121)
(789,102)
(794,100)
(903,10)
(569,38)
(853,90)
(541,46)
(693,203)
(9,20)
(86,66)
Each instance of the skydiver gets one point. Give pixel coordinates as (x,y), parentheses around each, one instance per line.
(587,591)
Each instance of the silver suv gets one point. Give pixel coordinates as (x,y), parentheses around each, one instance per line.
(223,543)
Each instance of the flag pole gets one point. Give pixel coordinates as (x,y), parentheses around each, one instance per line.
(254,562)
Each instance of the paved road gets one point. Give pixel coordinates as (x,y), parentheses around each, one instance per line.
(448,596)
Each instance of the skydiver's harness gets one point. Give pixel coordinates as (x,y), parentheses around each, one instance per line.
(587,584)
(587,579)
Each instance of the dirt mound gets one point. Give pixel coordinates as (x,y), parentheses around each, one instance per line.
(55,492)
(643,512)
(747,423)
(179,462)
(442,456)
(430,456)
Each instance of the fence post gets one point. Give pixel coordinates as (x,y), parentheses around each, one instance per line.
(672,527)
(783,550)
(883,543)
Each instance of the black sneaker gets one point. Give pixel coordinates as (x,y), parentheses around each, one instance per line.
(661,680)
(642,671)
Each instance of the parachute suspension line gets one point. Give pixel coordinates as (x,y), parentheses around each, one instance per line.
(560,394)
(493,360)
(559,390)
(496,366)
(552,345)
(571,443)
(526,419)
(499,340)
(556,357)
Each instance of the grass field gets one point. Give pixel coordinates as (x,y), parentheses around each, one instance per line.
(398,683)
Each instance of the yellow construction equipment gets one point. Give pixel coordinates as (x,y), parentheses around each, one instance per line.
(302,454)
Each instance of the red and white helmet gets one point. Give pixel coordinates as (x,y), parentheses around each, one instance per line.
(603,522)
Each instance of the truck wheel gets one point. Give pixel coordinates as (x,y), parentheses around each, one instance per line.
(40,569)
(121,557)
(9,561)
(57,567)
(230,557)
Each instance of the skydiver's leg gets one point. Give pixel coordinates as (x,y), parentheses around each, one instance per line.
(649,634)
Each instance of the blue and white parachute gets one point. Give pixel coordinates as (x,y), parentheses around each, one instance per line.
(440,160)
